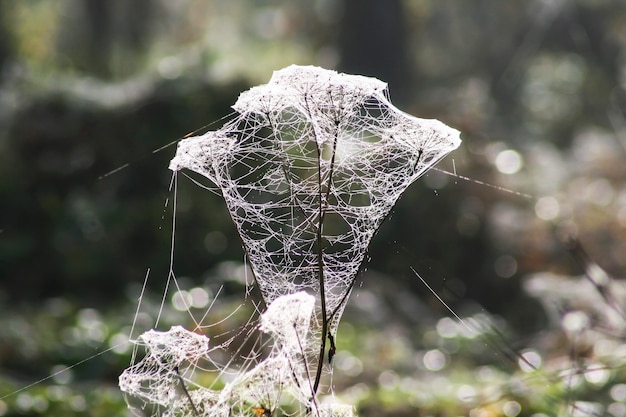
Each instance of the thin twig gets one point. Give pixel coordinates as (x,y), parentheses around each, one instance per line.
(184,387)
(320,258)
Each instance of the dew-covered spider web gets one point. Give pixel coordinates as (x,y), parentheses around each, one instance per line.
(309,168)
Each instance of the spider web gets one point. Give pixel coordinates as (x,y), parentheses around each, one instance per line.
(309,168)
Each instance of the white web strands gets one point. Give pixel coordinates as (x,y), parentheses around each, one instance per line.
(171,357)
(309,168)
(156,377)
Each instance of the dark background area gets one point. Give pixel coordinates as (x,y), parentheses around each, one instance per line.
(535,87)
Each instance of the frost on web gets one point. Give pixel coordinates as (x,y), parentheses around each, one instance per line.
(156,378)
(309,168)
(166,379)
(288,320)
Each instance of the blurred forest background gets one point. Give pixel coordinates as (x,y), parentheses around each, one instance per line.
(537,88)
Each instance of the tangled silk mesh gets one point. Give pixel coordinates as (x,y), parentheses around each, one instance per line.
(156,377)
(309,168)
(171,362)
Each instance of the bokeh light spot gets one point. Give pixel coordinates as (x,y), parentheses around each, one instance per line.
(61,374)
(547,208)
(597,374)
(509,162)
(586,408)
(617,409)
(434,360)
(505,266)
(599,192)
(170,67)
(466,393)
(181,300)
(618,392)
(387,379)
(78,403)
(575,321)
(199,297)
(349,364)
(511,408)
(530,361)
(120,343)
(447,327)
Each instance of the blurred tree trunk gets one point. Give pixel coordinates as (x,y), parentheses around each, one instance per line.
(113,35)
(373,42)
(6,48)
(98,31)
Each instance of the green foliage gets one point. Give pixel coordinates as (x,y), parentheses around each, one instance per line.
(543,79)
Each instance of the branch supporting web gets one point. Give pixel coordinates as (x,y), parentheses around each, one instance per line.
(309,168)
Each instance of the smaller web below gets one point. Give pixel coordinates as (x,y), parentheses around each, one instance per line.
(168,377)
(169,355)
